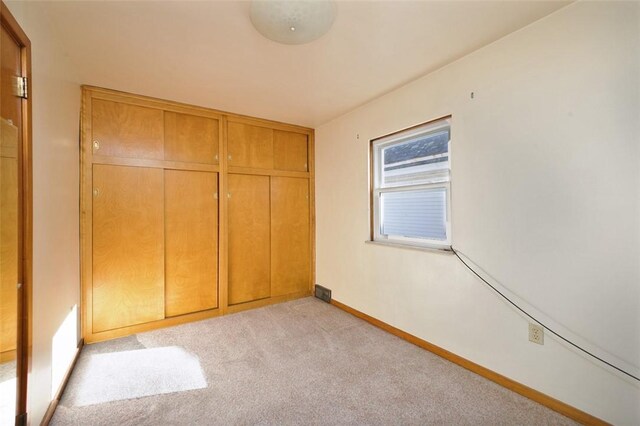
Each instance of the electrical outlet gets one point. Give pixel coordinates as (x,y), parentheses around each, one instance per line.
(536,333)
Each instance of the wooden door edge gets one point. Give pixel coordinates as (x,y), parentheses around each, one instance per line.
(26,222)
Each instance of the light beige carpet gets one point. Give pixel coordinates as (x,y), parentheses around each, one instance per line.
(299,363)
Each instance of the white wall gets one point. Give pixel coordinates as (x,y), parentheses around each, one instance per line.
(56,108)
(546,199)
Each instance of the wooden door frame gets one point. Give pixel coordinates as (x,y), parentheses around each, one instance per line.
(25,221)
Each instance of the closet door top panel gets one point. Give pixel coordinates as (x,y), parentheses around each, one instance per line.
(290,151)
(250,146)
(124,130)
(190,138)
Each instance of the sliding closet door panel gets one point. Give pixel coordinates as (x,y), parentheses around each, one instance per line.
(190,138)
(128,246)
(123,130)
(290,265)
(249,249)
(191,214)
(250,146)
(290,151)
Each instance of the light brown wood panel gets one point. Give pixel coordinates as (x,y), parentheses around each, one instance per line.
(9,136)
(266,172)
(190,138)
(10,58)
(290,151)
(267,301)
(123,130)
(7,356)
(223,241)
(128,246)
(312,209)
(152,325)
(248,240)
(290,258)
(249,146)
(167,105)
(173,165)
(191,260)
(8,255)
(86,217)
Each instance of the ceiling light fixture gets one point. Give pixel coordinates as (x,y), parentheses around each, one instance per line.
(293,22)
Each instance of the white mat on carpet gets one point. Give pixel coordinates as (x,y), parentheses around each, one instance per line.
(132,374)
(8,402)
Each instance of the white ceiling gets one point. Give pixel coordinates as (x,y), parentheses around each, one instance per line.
(207,53)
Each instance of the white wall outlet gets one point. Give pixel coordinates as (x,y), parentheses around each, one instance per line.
(536,333)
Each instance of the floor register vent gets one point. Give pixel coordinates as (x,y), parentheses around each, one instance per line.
(323,293)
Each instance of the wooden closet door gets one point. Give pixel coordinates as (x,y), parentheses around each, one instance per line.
(290,151)
(290,244)
(190,138)
(123,130)
(128,246)
(249,146)
(191,214)
(249,248)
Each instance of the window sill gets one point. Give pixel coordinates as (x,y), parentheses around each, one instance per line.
(411,247)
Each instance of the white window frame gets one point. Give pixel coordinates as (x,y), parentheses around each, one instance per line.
(438,181)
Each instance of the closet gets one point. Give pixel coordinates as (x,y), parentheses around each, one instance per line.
(188,213)
(269,238)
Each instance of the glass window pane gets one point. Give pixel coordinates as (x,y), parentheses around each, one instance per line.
(414,214)
(419,159)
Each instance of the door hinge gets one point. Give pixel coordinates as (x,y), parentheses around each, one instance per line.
(21,87)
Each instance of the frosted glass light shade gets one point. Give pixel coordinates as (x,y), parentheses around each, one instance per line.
(293,22)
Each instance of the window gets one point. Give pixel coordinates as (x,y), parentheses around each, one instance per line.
(411,188)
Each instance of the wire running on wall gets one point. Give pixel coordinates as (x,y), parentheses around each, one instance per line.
(539,322)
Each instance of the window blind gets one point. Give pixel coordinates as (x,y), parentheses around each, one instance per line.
(415,214)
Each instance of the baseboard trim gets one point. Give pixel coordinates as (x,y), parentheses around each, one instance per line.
(539,397)
(9,355)
(54,403)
